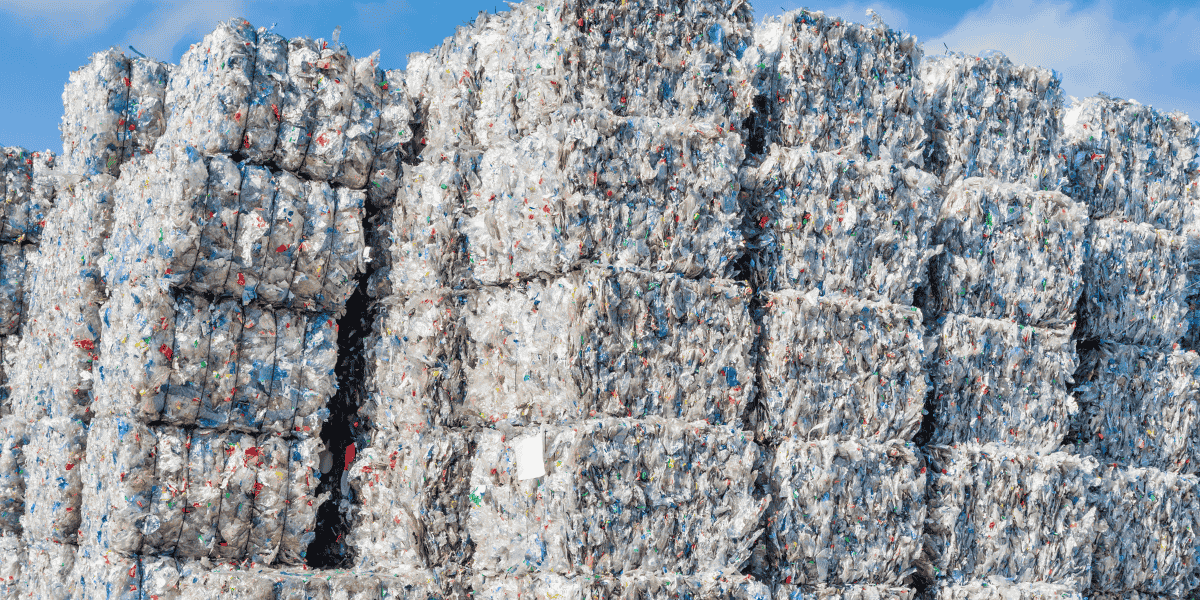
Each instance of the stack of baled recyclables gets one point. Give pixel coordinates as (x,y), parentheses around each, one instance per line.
(1136,170)
(560,367)
(841,224)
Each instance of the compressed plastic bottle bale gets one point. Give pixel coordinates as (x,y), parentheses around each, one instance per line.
(12,559)
(1010,253)
(13,439)
(716,585)
(346,253)
(287,230)
(283,389)
(217,238)
(256,365)
(1130,162)
(840,367)
(1138,407)
(263,118)
(404,586)
(332,99)
(210,91)
(145,112)
(160,577)
(617,495)
(94,106)
(395,131)
(317,239)
(300,519)
(270,500)
(998,588)
(413,488)
(206,460)
(835,85)
(1002,511)
(997,381)
(255,215)
(47,573)
(118,481)
(843,224)
(672,347)
(415,372)
(168,495)
(243,458)
(107,575)
(1144,532)
(318,378)
(426,246)
(363,123)
(296,106)
(1135,284)
(527,355)
(990,117)
(13,260)
(54,480)
(136,353)
(234,585)
(16,183)
(846,512)
(190,371)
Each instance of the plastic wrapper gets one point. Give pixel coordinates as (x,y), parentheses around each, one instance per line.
(209,94)
(396,119)
(1145,526)
(845,512)
(997,381)
(716,585)
(118,481)
(617,496)
(992,118)
(1010,253)
(998,588)
(263,118)
(95,102)
(1005,512)
(841,368)
(1138,407)
(413,488)
(54,480)
(415,372)
(14,437)
(48,573)
(13,260)
(12,559)
(145,112)
(1135,285)
(1129,162)
(834,85)
(843,224)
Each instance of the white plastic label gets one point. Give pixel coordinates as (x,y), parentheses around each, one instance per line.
(529,454)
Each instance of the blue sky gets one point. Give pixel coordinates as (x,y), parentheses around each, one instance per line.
(1141,49)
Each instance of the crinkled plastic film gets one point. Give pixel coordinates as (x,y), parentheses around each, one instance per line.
(94,106)
(168,496)
(848,592)
(425,249)
(13,261)
(219,230)
(999,588)
(300,510)
(15,437)
(363,124)
(841,368)
(396,121)
(332,100)
(145,113)
(206,459)
(997,381)
(843,224)
(716,585)
(1145,526)
(118,477)
(12,559)
(28,192)
(1003,511)
(48,572)
(54,460)
(270,499)
(846,512)
(99,574)
(1135,285)
(263,116)
(1138,407)
(1010,253)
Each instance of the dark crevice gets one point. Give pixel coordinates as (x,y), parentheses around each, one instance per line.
(755,126)
(928,421)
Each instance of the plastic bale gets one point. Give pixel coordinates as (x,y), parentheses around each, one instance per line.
(255,373)
(1001,511)
(318,377)
(168,495)
(13,261)
(287,230)
(332,99)
(998,588)
(1135,285)
(296,107)
(12,559)
(219,228)
(415,370)
(224,359)
(15,438)
(317,243)
(363,124)
(48,573)
(145,113)
(102,575)
(527,355)
(190,371)
(717,586)
(263,118)
(835,85)
(9,359)
(225,583)
(396,586)
(1010,253)
(842,224)
(270,500)
(1144,532)
(238,476)
(425,252)
(93,122)
(618,495)
(672,347)
(283,389)
(54,460)
(16,183)
(136,353)
(396,120)
(255,215)
(354,586)
(160,577)
(1138,407)
(848,592)
(118,482)
(990,117)
(206,461)
(210,91)
(346,254)
(997,381)
(841,368)
(300,518)
(1129,162)
(413,488)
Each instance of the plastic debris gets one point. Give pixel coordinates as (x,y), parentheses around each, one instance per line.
(999,588)
(95,101)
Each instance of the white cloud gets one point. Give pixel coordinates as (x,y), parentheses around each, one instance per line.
(1150,57)
(171,23)
(65,21)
